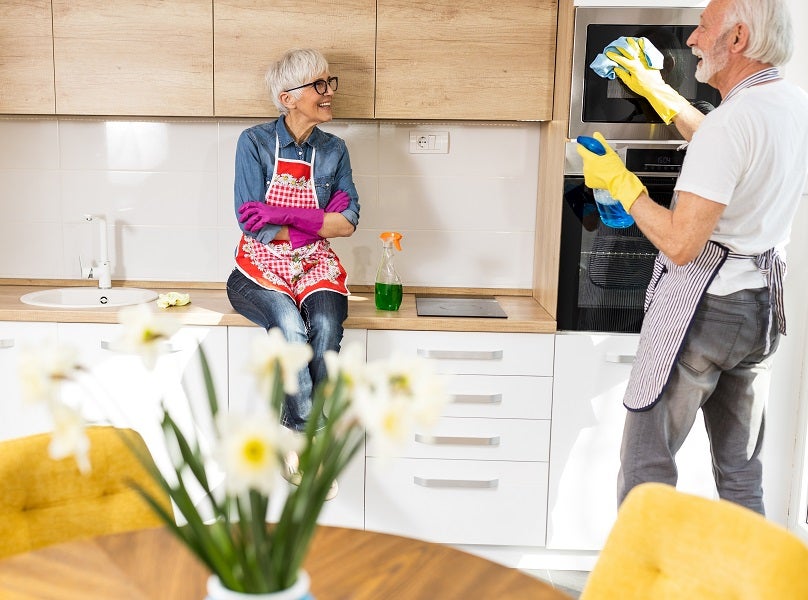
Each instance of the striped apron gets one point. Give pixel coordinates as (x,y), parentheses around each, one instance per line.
(276,266)
(671,300)
(674,294)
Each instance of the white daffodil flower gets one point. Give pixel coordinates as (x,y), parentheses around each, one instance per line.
(349,364)
(396,396)
(45,368)
(145,332)
(173,299)
(68,437)
(273,349)
(251,451)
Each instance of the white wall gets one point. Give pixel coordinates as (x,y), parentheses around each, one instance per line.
(166,189)
(787,412)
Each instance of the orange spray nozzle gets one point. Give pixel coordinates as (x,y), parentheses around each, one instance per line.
(392,236)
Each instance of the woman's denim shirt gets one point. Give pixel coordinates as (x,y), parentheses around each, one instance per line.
(255,160)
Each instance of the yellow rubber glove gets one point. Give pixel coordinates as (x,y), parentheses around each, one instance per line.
(633,70)
(609,172)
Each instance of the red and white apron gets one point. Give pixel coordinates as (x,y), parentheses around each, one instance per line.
(275,266)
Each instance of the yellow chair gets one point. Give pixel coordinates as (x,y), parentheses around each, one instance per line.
(667,544)
(45,501)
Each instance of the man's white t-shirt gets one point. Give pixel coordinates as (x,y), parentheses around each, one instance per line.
(751,153)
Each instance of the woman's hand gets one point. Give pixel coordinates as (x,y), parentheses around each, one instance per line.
(254,215)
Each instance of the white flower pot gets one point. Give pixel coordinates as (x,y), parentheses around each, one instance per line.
(299,591)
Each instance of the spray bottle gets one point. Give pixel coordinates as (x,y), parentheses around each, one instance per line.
(611,211)
(389,290)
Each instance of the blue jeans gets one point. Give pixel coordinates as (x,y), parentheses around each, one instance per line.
(317,323)
(724,369)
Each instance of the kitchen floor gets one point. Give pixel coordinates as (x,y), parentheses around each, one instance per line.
(570,582)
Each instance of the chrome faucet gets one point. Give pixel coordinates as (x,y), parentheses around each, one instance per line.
(100,270)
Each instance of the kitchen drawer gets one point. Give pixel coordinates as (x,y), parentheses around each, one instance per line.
(476,353)
(479,439)
(458,501)
(499,396)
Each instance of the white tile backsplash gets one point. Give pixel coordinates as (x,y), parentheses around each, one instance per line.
(166,189)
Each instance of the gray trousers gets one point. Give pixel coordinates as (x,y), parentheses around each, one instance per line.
(724,369)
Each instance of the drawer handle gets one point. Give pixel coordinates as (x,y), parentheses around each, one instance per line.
(108,345)
(446,440)
(477,398)
(622,359)
(461,354)
(8,343)
(456,483)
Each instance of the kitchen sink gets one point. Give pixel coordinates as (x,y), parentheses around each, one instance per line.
(87,297)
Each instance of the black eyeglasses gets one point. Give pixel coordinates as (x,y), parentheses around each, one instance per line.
(320,86)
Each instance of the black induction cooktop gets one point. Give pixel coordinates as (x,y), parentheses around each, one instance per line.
(433,305)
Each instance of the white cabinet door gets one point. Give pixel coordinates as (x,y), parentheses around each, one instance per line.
(591,373)
(123,392)
(475,353)
(348,508)
(18,419)
(458,501)
(480,475)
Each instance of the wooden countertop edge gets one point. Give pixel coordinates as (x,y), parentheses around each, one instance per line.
(210,307)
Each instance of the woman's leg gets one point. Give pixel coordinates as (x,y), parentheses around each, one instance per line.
(323,313)
(269,308)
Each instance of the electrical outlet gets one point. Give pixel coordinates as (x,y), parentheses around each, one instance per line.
(429,142)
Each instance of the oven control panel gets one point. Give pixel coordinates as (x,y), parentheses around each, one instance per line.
(661,161)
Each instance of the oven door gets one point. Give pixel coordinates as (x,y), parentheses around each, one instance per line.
(603,272)
(608,105)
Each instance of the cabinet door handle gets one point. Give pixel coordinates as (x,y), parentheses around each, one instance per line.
(7,343)
(447,440)
(461,354)
(108,345)
(623,359)
(477,398)
(455,483)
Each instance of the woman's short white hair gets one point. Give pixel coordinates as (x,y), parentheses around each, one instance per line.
(296,67)
(771,35)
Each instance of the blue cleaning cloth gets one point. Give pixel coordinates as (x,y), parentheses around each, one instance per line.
(604,66)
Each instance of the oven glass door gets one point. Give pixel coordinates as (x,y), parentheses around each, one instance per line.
(603,272)
(611,101)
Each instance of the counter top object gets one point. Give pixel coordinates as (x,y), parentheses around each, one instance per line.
(210,306)
(88,297)
(342,563)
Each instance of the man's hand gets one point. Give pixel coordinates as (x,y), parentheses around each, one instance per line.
(609,172)
(634,71)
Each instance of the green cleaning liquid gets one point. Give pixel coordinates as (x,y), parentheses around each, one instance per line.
(388,296)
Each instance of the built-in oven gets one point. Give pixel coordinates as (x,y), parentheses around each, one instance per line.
(604,272)
(607,105)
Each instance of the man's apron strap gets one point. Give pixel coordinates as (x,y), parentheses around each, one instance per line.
(673,295)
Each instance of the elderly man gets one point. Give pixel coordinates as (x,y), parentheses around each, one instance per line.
(714,309)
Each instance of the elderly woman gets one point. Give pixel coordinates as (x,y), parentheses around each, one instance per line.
(293,191)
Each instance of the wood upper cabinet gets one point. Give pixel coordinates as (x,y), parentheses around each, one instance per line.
(26,57)
(465,59)
(250,34)
(133,57)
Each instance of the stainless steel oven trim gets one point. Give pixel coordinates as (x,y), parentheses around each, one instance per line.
(573,164)
(585,16)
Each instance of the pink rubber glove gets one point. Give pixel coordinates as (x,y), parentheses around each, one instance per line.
(339,201)
(254,215)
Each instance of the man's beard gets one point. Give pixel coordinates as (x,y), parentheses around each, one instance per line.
(714,60)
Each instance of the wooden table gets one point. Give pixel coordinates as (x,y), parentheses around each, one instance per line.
(343,563)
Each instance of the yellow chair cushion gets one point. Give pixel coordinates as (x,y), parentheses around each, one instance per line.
(667,544)
(45,501)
